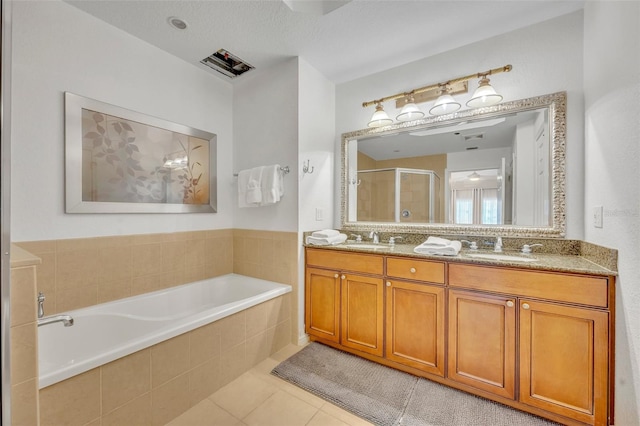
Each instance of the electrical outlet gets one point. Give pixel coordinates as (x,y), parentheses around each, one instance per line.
(319,214)
(597,216)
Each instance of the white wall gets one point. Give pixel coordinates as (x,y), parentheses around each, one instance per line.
(316,106)
(265,131)
(57,48)
(546,58)
(612,174)
(316,145)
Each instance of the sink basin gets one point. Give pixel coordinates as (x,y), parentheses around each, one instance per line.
(503,257)
(365,246)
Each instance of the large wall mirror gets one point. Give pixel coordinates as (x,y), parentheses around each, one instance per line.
(489,171)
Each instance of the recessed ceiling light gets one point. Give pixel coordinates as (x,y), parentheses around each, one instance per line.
(177,23)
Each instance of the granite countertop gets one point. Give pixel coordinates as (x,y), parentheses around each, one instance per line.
(545,261)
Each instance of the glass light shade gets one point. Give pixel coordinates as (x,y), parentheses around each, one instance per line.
(410,112)
(445,104)
(379,118)
(474,176)
(485,95)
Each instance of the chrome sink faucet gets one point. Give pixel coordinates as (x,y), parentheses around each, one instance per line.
(67,320)
(375,238)
(40,304)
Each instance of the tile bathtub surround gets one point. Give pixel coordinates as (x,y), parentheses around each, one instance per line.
(159,383)
(82,272)
(24,349)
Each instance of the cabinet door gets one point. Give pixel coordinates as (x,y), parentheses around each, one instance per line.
(482,341)
(322,304)
(563,360)
(362,313)
(415,325)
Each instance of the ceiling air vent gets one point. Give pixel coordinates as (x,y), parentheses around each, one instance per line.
(226,63)
(476,137)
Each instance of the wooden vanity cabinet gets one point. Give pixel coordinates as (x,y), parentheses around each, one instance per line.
(415,314)
(562,343)
(344,301)
(482,341)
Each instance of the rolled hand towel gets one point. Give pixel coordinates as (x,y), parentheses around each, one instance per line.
(325,233)
(450,250)
(330,241)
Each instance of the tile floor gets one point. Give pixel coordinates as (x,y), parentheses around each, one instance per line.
(257,398)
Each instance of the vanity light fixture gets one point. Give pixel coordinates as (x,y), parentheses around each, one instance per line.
(445,104)
(410,110)
(485,95)
(379,118)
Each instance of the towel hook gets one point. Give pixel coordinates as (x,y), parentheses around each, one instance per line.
(305,167)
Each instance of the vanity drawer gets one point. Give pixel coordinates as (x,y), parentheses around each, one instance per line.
(414,269)
(339,260)
(580,289)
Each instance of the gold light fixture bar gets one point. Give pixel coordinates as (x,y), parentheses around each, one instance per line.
(433,94)
(436,87)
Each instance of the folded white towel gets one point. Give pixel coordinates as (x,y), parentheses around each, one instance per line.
(452,249)
(329,241)
(325,233)
(436,242)
(271,185)
(254,190)
(243,182)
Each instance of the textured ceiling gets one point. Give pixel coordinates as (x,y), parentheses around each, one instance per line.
(359,38)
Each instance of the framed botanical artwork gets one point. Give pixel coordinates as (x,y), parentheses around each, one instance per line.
(122,161)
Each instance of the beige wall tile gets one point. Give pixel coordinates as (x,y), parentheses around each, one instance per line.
(46,279)
(278,310)
(76,268)
(233,330)
(75,401)
(256,319)
(23,295)
(38,247)
(281,336)
(114,241)
(146,259)
(195,255)
(147,284)
(233,363)
(114,263)
(76,298)
(219,233)
(194,274)
(204,344)
(24,404)
(173,255)
(114,290)
(125,379)
(170,400)
(204,380)
(136,412)
(140,239)
(169,359)
(24,355)
(77,244)
(258,349)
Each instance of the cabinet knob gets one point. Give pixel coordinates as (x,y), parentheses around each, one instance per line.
(335,276)
(525,306)
(510,303)
(412,270)
(388,283)
(343,277)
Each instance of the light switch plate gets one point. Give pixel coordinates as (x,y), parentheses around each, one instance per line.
(597,216)
(319,213)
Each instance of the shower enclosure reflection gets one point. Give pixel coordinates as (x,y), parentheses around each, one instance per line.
(399,195)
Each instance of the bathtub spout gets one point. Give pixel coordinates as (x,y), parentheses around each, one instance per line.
(67,320)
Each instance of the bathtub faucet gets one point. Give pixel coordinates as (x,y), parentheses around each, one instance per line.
(67,320)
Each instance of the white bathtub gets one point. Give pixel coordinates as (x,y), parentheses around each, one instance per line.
(106,332)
